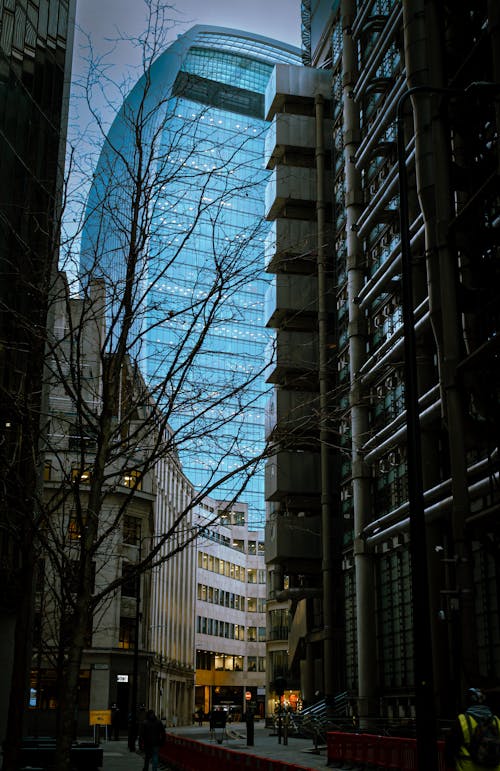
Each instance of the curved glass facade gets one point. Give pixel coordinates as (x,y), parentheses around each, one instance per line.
(202,274)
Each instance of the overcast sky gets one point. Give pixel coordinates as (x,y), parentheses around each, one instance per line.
(278,19)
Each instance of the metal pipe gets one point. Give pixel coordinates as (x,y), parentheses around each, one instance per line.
(424,676)
(363,557)
(328,545)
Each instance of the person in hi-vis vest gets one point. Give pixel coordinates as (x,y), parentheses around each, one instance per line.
(473,743)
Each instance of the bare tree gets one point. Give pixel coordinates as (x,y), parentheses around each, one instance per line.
(138,310)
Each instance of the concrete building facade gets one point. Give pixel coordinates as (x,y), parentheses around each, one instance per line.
(230,611)
(139,649)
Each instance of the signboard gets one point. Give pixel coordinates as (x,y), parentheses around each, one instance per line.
(122,678)
(248,695)
(100,717)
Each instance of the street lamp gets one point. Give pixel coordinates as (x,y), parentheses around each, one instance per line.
(132,727)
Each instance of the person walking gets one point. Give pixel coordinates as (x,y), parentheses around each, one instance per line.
(473,743)
(152,736)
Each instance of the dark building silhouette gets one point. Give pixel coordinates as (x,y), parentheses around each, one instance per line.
(338,545)
(35,57)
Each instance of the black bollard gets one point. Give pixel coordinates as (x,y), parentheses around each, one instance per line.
(250,726)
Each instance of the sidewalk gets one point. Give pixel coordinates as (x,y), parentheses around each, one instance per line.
(117,756)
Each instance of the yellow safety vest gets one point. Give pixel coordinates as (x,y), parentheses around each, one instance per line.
(464,760)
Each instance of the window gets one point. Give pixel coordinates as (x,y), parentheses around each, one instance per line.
(131,530)
(47,472)
(251,576)
(261,547)
(262,576)
(261,605)
(203,660)
(252,604)
(132,479)
(127,633)
(252,663)
(239,632)
(252,634)
(76,524)
(262,663)
(130,583)
(224,517)
(252,547)
(238,518)
(238,544)
(262,633)
(79,476)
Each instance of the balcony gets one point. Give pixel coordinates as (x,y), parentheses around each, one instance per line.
(292,301)
(293,538)
(293,474)
(291,139)
(296,87)
(293,359)
(292,191)
(292,416)
(290,246)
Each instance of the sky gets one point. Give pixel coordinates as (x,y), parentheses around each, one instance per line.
(102,19)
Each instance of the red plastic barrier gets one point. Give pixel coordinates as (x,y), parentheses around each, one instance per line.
(387,752)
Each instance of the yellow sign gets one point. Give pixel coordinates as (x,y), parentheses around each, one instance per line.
(100,717)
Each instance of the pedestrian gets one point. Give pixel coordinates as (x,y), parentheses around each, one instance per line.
(473,743)
(200,716)
(152,736)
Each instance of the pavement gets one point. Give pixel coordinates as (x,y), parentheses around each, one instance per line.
(117,756)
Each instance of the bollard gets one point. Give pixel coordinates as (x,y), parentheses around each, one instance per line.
(250,726)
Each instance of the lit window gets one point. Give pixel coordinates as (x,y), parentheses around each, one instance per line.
(81,476)
(127,633)
(76,524)
(133,479)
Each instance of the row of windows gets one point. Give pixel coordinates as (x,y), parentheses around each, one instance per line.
(131,478)
(230,631)
(229,569)
(221,662)
(230,599)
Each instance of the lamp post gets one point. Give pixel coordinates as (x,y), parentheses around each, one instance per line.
(132,727)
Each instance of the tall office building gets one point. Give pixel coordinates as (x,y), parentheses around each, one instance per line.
(35,58)
(358,620)
(200,108)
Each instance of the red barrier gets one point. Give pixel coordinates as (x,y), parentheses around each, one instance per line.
(189,755)
(388,752)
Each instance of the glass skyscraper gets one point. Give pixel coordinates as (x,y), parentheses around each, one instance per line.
(201,107)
